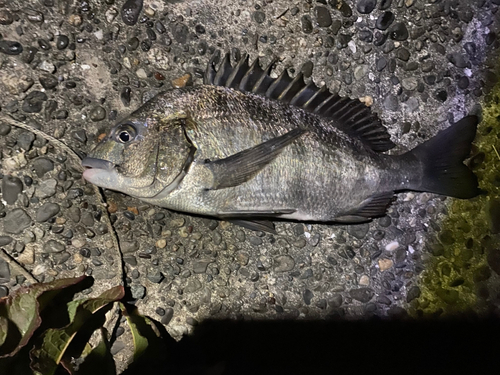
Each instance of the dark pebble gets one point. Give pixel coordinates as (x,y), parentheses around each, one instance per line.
(10,47)
(132,44)
(463,83)
(4,272)
(125,96)
(11,188)
(362,294)
(43,44)
(42,166)
(4,291)
(381,63)
(306,22)
(384,20)
(151,34)
(366,6)
(403,54)
(4,129)
(323,16)
(25,140)
(457,59)
(5,240)
(97,113)
(307,69)
(200,29)
(167,317)
(494,215)
(366,36)
(259,16)
(16,221)
(131,11)
(180,32)
(358,231)
(345,9)
(80,135)
(34,101)
(6,17)
(441,95)
(62,42)
(48,81)
(308,296)
(343,40)
(384,4)
(398,32)
(146,45)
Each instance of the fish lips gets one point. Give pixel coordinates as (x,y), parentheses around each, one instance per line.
(99,172)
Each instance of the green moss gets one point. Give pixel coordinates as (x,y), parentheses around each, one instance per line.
(454,276)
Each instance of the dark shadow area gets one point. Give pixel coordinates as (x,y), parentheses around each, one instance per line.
(451,346)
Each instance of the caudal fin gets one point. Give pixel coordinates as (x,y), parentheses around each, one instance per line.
(442,157)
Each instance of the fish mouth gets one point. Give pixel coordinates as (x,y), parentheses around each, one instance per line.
(95,163)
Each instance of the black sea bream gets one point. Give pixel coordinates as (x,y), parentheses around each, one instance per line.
(245,146)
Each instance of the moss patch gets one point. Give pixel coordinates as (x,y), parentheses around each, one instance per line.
(457,271)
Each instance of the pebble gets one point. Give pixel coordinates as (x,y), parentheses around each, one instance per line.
(192,286)
(457,59)
(47,211)
(362,294)
(200,266)
(48,81)
(283,263)
(308,296)
(185,80)
(138,291)
(410,83)
(381,63)
(366,6)
(358,231)
(6,17)
(391,103)
(141,73)
(131,10)
(391,246)
(161,243)
(413,293)
(16,221)
(53,246)
(364,280)
(5,240)
(259,16)
(62,42)
(28,255)
(47,66)
(398,32)
(155,276)
(46,188)
(306,22)
(180,33)
(168,315)
(384,20)
(125,96)
(129,246)
(97,113)
(4,129)
(323,16)
(361,71)
(34,101)
(10,47)
(11,188)
(384,264)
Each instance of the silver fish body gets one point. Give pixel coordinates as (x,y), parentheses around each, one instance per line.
(217,151)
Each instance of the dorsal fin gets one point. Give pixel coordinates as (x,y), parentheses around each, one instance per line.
(349,115)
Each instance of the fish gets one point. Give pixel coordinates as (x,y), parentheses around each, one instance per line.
(249,148)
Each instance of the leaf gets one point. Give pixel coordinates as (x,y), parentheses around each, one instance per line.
(4,326)
(100,360)
(46,357)
(135,321)
(22,312)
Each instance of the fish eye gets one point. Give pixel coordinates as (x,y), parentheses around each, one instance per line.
(125,133)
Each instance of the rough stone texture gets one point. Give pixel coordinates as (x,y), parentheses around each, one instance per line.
(420,66)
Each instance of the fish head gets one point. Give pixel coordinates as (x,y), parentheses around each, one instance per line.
(141,155)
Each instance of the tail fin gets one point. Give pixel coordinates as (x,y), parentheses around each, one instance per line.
(442,157)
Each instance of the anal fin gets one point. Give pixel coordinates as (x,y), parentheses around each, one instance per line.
(374,206)
(256,225)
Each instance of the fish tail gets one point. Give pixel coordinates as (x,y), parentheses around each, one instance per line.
(442,159)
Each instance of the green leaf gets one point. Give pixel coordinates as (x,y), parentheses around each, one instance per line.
(4,326)
(22,312)
(135,321)
(46,357)
(99,360)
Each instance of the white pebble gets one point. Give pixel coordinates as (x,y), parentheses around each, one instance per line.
(391,246)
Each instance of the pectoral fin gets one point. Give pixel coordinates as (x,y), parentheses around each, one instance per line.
(241,167)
